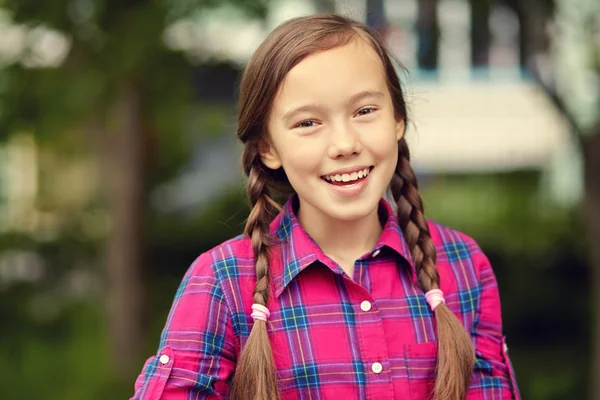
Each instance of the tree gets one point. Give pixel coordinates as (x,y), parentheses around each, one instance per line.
(561,46)
(126,91)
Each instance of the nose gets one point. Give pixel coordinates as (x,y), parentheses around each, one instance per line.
(344,142)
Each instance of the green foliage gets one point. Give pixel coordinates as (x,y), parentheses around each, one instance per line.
(113,44)
(54,340)
(513,204)
(61,343)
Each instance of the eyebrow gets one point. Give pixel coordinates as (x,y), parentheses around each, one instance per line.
(365,94)
(312,107)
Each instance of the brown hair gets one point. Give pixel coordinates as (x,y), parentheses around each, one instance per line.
(286,46)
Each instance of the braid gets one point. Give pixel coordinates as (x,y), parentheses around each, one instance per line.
(257,228)
(456,355)
(255,376)
(412,220)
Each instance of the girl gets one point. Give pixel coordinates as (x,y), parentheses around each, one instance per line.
(340,295)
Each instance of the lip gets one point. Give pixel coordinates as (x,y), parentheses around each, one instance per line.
(348,170)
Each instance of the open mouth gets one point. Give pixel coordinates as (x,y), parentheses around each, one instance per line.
(348,179)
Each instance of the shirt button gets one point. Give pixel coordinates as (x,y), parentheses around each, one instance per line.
(365,305)
(377,367)
(505,348)
(376,253)
(164,359)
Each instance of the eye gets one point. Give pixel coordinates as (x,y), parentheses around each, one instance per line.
(306,124)
(366,111)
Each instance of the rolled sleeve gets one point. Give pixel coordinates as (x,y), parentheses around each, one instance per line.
(197,350)
(493,375)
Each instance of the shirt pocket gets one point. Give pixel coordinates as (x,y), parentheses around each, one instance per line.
(511,371)
(421,360)
(153,379)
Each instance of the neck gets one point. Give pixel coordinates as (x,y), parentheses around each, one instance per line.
(341,240)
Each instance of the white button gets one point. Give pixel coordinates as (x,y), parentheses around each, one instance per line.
(377,367)
(164,359)
(376,253)
(505,348)
(365,305)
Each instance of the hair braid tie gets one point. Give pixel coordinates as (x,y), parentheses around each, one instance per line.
(260,312)
(434,298)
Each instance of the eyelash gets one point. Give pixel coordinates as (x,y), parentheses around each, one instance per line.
(372,110)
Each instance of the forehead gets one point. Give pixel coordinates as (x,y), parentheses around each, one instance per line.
(332,76)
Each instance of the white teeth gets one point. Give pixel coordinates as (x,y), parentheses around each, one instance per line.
(348,177)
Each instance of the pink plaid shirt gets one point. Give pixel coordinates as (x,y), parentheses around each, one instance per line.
(369,336)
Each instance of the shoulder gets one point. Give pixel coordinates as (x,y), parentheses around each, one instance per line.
(460,261)
(465,273)
(451,243)
(227,259)
(230,266)
(232,262)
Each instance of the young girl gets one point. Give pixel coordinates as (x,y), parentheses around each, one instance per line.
(341,295)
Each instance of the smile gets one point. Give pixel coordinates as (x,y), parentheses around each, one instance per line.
(348,178)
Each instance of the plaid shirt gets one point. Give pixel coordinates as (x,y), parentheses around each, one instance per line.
(370,336)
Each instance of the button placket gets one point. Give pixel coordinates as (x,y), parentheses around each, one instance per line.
(372,342)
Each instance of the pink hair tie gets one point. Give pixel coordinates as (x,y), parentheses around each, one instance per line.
(260,312)
(434,298)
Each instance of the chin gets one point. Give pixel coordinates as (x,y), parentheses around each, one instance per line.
(352,211)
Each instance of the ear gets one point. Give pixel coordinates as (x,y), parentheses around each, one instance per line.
(400,127)
(269,155)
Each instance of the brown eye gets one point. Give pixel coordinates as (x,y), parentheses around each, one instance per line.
(306,124)
(366,110)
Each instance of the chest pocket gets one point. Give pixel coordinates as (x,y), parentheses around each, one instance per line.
(421,362)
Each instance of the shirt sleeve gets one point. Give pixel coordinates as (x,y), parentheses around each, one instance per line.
(196,355)
(493,375)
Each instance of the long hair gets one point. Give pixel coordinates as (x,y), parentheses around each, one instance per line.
(255,376)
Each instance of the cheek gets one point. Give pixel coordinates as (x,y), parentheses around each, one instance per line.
(300,157)
(386,157)
(381,141)
(297,154)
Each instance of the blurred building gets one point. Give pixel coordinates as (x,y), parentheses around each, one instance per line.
(475,111)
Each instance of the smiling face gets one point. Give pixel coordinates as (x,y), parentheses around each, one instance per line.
(333,129)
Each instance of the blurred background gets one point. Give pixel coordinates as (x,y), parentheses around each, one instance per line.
(119,165)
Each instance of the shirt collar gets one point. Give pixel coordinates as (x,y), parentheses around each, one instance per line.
(297,250)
